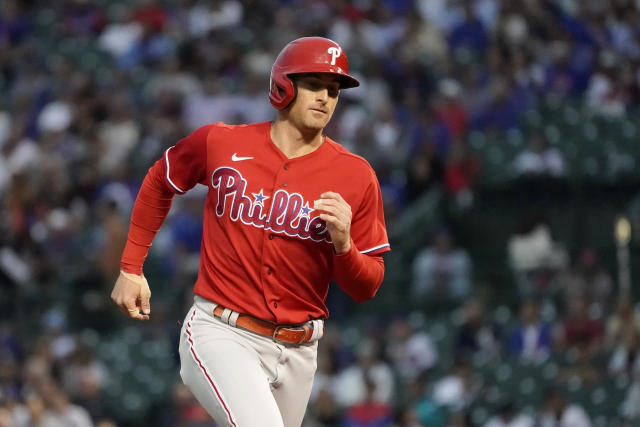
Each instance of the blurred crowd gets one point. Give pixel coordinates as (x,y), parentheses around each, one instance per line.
(93,91)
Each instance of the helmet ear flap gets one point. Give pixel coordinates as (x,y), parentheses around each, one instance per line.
(283,91)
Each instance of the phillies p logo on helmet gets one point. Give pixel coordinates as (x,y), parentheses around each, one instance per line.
(334,52)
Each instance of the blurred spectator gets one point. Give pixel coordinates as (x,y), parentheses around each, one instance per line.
(607,94)
(185,409)
(113,236)
(203,17)
(11,386)
(589,279)
(471,33)
(579,330)
(429,136)
(450,110)
(560,75)
(33,413)
(531,338)
(18,153)
(534,255)
(60,408)
(509,416)
(630,408)
(411,353)
(5,416)
(425,171)
(386,133)
(323,411)
(442,270)
(183,253)
(56,340)
(120,35)
(582,367)
(478,335)
(118,134)
(459,388)
(625,359)
(423,39)
(429,413)
(369,413)
(622,323)
(351,384)
(539,159)
(559,412)
(326,381)
(83,19)
(14,23)
(421,409)
(10,345)
(461,172)
(84,378)
(500,110)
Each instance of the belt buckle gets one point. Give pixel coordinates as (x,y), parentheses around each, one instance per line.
(300,341)
(275,332)
(304,330)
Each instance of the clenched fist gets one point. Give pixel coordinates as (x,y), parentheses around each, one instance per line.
(131,293)
(336,212)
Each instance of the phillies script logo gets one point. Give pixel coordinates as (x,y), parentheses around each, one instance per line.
(334,52)
(289,214)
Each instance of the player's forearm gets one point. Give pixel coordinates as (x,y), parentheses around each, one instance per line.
(358,275)
(149,212)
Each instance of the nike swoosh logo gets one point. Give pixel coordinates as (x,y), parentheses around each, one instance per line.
(236,158)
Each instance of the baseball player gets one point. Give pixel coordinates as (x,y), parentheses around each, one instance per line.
(288,210)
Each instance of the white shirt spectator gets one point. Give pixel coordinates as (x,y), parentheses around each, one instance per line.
(55,117)
(517,421)
(351,386)
(119,38)
(351,383)
(412,356)
(73,415)
(573,416)
(548,162)
(202,18)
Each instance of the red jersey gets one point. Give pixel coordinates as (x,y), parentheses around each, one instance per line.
(265,251)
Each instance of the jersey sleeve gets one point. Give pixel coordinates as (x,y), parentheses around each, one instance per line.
(368,229)
(186,162)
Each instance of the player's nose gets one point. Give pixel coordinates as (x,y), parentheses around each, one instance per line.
(322,94)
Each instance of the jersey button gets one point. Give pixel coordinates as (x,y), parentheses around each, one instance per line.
(284,184)
(271,236)
(286,166)
(269,271)
(275,304)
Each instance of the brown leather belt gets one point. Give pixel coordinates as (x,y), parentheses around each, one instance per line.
(292,334)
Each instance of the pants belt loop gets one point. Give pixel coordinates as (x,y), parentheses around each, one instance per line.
(225,315)
(233,318)
(318,330)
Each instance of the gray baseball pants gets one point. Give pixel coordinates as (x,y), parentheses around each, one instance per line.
(241,378)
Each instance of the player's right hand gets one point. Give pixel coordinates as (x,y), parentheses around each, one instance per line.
(131,294)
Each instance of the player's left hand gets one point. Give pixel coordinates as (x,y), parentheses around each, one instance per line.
(337,214)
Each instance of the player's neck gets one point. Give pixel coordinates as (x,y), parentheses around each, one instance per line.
(292,141)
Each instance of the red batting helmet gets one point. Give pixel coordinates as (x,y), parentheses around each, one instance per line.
(307,55)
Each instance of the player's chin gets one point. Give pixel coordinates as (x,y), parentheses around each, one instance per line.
(317,123)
